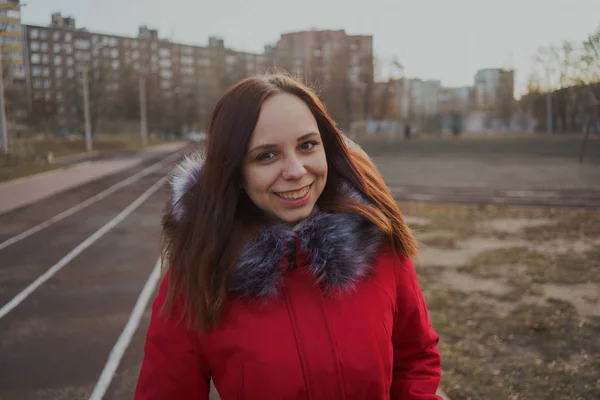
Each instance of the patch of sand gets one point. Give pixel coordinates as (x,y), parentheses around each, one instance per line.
(513,225)
(467,249)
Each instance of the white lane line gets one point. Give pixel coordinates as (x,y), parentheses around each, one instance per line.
(85,203)
(81,247)
(120,347)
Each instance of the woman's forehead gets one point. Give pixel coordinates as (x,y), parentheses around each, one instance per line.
(283,117)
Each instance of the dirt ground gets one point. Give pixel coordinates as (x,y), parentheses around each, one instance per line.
(515,295)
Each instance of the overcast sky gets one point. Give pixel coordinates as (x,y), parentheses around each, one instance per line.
(447,40)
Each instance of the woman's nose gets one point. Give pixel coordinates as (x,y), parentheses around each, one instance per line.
(294,169)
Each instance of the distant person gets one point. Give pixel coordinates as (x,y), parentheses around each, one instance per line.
(407,132)
(289,265)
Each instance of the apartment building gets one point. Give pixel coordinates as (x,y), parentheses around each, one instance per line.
(11,41)
(182,81)
(340,65)
(492,87)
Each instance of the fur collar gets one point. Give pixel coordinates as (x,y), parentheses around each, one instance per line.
(340,246)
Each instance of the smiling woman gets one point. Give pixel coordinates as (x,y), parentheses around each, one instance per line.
(289,265)
(286,168)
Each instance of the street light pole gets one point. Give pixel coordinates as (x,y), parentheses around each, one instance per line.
(143,111)
(3,124)
(549,112)
(86,111)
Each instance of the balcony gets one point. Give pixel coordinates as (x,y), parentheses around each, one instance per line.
(11,47)
(10,6)
(9,20)
(15,34)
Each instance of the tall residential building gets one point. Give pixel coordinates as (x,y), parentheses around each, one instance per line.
(339,64)
(182,81)
(11,40)
(419,98)
(493,87)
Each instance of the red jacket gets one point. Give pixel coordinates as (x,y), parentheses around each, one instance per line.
(373,343)
(325,311)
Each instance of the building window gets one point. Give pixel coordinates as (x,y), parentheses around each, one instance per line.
(34,46)
(164,52)
(135,55)
(165,84)
(165,63)
(48,96)
(37,83)
(58,72)
(94,39)
(113,42)
(57,60)
(114,53)
(70,73)
(36,71)
(134,44)
(187,60)
(56,36)
(230,59)
(166,74)
(68,37)
(82,44)
(115,64)
(46,83)
(34,34)
(205,62)
(46,72)
(43,34)
(70,61)
(36,58)
(68,48)
(57,47)
(45,59)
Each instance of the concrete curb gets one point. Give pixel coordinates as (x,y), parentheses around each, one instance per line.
(542,198)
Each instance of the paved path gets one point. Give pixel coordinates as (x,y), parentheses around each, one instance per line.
(530,171)
(20,192)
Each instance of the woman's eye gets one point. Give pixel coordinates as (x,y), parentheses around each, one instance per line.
(308,145)
(265,156)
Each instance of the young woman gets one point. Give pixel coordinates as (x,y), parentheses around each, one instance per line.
(290,273)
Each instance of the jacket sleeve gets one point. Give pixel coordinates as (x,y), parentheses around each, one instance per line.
(174,366)
(417,361)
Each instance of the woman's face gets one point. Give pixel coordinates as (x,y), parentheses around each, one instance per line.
(285,169)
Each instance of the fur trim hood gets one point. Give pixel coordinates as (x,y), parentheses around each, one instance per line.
(340,247)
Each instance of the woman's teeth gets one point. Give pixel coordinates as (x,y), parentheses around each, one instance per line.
(294,195)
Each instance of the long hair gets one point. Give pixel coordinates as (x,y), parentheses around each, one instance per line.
(203,246)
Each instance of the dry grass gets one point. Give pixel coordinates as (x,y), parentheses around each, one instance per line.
(28,156)
(500,346)
(535,266)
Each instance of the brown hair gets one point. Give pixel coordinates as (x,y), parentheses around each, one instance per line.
(203,247)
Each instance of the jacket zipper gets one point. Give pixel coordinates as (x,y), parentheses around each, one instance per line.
(299,345)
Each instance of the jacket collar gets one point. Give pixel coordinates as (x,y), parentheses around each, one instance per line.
(340,247)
